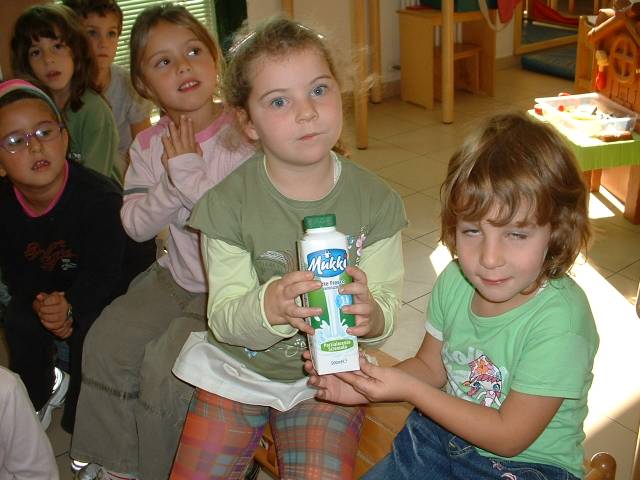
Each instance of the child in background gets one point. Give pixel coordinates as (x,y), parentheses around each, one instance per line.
(509,335)
(61,246)
(102,20)
(49,44)
(132,408)
(282,81)
(25,451)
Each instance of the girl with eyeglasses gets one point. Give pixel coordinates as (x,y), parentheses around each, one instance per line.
(61,246)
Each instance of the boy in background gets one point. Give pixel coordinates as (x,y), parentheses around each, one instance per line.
(102,20)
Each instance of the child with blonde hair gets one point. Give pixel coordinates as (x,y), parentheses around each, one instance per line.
(49,45)
(509,335)
(248,368)
(131,407)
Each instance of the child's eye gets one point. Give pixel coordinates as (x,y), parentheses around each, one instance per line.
(44,131)
(112,34)
(319,91)
(195,51)
(34,52)
(162,62)
(518,235)
(12,141)
(92,33)
(278,102)
(59,46)
(470,231)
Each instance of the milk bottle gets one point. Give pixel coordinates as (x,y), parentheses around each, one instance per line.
(323,251)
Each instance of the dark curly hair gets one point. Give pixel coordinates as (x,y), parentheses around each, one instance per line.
(59,23)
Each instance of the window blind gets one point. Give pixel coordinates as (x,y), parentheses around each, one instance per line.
(201,9)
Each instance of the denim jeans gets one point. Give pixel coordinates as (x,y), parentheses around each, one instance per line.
(425,450)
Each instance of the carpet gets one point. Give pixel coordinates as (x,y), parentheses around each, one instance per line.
(559,61)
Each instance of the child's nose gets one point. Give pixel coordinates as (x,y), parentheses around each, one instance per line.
(491,254)
(306,111)
(184,66)
(33,143)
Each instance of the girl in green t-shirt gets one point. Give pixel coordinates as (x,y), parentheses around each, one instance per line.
(506,360)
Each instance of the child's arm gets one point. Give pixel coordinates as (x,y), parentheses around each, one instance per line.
(151,202)
(189,173)
(235,292)
(506,431)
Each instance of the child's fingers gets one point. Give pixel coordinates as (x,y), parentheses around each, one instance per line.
(357,274)
(301,325)
(169,150)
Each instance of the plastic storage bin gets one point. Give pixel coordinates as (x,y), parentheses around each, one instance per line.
(589,114)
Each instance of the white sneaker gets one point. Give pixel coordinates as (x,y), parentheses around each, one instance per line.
(58,394)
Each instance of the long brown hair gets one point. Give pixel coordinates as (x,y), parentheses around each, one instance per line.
(56,22)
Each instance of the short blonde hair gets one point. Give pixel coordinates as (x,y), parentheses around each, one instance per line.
(512,162)
(275,37)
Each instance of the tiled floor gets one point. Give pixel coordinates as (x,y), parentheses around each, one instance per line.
(409,147)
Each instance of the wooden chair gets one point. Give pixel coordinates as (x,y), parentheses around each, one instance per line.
(382,423)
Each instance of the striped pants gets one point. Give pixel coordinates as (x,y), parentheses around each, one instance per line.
(314,440)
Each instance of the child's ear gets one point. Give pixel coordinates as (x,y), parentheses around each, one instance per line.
(246,124)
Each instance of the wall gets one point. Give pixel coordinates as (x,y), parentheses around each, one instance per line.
(10,11)
(333,17)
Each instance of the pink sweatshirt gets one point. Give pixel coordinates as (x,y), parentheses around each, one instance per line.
(153,199)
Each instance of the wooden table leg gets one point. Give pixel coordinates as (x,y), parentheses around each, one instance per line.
(446,43)
(374,45)
(632,201)
(287,8)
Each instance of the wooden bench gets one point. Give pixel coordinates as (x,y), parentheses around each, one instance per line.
(382,423)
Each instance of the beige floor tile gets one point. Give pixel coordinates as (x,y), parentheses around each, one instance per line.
(430,239)
(380,155)
(632,271)
(421,303)
(382,126)
(628,288)
(60,440)
(64,469)
(424,139)
(407,337)
(423,213)
(613,438)
(402,190)
(614,247)
(409,112)
(419,274)
(418,173)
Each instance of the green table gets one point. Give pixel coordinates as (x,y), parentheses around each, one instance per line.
(593,155)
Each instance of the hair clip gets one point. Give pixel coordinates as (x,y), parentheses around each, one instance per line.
(236,47)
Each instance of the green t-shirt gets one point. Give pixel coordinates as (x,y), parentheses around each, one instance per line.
(246,211)
(94,136)
(544,347)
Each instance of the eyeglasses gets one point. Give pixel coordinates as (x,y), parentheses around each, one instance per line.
(46,132)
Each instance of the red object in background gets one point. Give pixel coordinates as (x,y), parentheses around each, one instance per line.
(601,80)
(540,11)
(538,109)
(564,94)
(561,108)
